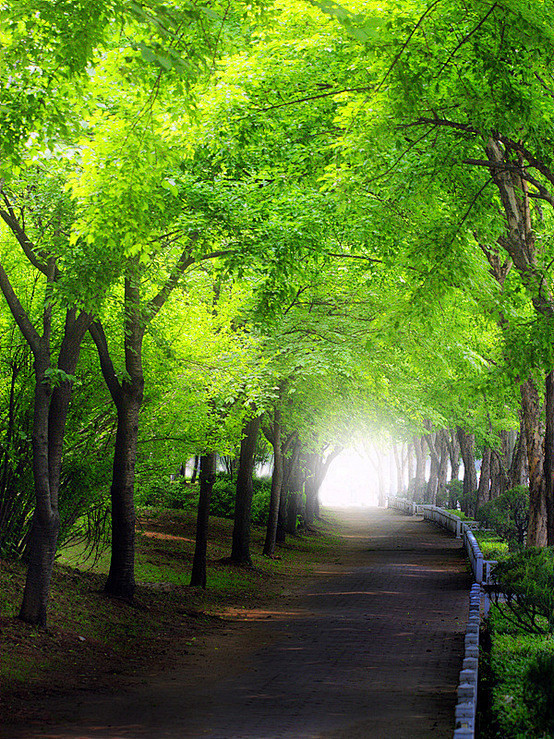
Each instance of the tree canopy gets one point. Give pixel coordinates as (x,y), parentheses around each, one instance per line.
(336,219)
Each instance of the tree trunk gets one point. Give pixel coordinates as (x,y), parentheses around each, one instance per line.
(531,409)
(549,455)
(127,396)
(49,420)
(518,474)
(483,493)
(292,486)
(293,511)
(433,482)
(289,467)
(311,487)
(46,520)
(454,454)
(419,483)
(276,487)
(207,479)
(196,468)
(240,552)
(322,468)
(467,443)
(398,461)
(442,450)
(410,466)
(121,578)
(281,533)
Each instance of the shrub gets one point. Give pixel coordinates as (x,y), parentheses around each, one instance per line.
(455,489)
(163,493)
(223,496)
(508,515)
(539,696)
(260,501)
(526,580)
(151,492)
(521,681)
(224,493)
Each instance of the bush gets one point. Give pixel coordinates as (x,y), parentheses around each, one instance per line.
(260,502)
(508,515)
(455,489)
(526,580)
(492,545)
(162,493)
(224,493)
(223,496)
(540,695)
(522,685)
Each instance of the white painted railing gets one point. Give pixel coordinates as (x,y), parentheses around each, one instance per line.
(480,566)
(466,708)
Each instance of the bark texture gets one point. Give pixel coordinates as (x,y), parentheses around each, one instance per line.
(467,450)
(207,478)
(274,437)
(531,411)
(240,552)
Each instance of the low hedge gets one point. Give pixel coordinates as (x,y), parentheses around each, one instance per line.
(522,682)
(164,493)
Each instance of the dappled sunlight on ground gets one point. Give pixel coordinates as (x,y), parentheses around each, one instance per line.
(165,537)
(259,614)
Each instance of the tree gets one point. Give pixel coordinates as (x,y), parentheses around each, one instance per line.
(240,552)
(207,479)
(53,385)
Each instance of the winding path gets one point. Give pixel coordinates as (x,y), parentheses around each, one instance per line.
(372,649)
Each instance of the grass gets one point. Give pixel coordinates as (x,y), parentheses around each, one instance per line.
(515,704)
(491,544)
(93,640)
(515,707)
(457,512)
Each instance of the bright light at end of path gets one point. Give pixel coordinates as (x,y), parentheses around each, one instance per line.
(351,481)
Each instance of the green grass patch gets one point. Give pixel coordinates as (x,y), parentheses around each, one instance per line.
(521,693)
(492,545)
(456,512)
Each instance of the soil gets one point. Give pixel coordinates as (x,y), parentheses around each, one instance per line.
(370,646)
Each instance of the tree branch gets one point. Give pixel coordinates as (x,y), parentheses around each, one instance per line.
(466,38)
(96,330)
(10,219)
(183,263)
(19,313)
(405,44)
(311,97)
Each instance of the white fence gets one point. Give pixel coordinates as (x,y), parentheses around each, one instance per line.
(480,566)
(466,708)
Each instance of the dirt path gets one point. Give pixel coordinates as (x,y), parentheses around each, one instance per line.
(372,649)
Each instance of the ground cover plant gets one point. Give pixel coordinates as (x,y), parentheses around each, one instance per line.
(183,495)
(94,641)
(519,664)
(491,544)
(457,512)
(520,676)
